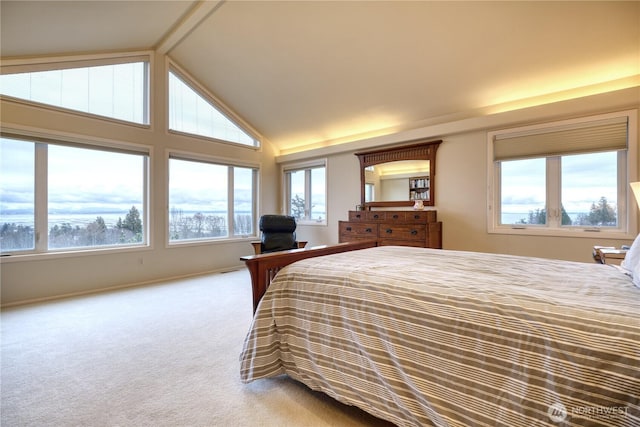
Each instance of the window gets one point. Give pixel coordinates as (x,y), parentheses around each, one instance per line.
(192,113)
(369,192)
(118,91)
(72,200)
(210,200)
(305,190)
(564,177)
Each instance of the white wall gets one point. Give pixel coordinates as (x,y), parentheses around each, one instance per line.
(461,177)
(34,277)
(395,188)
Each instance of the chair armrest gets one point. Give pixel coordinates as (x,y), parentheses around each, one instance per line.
(257,247)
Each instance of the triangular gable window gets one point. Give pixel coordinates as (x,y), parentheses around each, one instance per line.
(119,91)
(191,113)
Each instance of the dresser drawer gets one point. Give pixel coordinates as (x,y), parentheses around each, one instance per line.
(401,228)
(391,242)
(394,216)
(357,215)
(414,232)
(350,231)
(412,217)
(368,216)
(422,216)
(376,215)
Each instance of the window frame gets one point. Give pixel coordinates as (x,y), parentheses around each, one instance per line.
(627,172)
(286,185)
(16,66)
(41,196)
(172,67)
(218,161)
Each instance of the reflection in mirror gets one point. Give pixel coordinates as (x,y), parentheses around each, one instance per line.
(392,181)
(398,176)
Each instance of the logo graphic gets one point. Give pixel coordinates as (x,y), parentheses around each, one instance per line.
(557,412)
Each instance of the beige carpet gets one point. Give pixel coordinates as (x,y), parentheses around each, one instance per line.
(158,355)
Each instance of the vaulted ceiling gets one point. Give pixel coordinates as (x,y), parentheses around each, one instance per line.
(312,73)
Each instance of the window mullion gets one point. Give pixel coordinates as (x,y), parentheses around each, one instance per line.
(41,198)
(307,193)
(495,202)
(554,210)
(147,221)
(146,94)
(230,202)
(624,194)
(286,205)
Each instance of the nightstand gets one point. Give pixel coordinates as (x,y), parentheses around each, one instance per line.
(608,255)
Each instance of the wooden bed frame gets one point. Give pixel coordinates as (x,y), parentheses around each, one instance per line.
(264,267)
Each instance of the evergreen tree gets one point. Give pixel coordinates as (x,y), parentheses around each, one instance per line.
(539,216)
(602,213)
(297,207)
(132,221)
(97,232)
(566,219)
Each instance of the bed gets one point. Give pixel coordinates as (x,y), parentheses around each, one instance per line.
(424,337)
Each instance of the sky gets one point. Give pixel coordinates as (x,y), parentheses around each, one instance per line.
(82,180)
(79,180)
(585,179)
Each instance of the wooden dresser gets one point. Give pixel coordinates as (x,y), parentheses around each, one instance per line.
(403,228)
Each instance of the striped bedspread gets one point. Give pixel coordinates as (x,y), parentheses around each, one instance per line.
(448,338)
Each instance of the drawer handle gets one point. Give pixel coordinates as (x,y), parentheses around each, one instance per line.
(414,232)
(358,216)
(348,228)
(395,216)
(416,216)
(368,230)
(389,231)
(376,216)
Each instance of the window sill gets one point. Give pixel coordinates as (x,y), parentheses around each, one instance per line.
(35,256)
(577,232)
(301,222)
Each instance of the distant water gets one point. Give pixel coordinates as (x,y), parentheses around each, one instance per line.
(81,220)
(514,218)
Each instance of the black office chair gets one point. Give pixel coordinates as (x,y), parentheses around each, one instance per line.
(278,233)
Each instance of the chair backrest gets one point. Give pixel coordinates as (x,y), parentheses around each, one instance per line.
(278,233)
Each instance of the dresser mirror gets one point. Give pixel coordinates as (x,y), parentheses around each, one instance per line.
(398,176)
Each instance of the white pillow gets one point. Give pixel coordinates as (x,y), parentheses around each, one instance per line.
(632,259)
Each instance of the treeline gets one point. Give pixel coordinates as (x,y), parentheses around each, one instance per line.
(601,214)
(65,235)
(126,231)
(199,226)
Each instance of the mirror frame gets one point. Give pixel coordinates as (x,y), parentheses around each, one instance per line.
(423,150)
